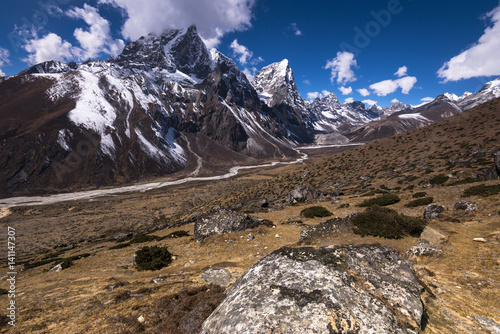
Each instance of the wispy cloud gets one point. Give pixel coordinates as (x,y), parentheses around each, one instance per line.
(296,29)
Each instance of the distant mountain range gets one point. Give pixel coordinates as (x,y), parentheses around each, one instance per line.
(167,104)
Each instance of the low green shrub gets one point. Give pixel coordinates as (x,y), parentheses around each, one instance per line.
(420,202)
(482,190)
(386,223)
(315,211)
(439,179)
(152,258)
(419,194)
(344,205)
(380,201)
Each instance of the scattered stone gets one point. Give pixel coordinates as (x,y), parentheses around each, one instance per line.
(223,221)
(157,280)
(57,268)
(432,236)
(325,229)
(250,236)
(479,240)
(433,211)
(489,324)
(218,276)
(466,206)
(302,194)
(277,236)
(141,319)
(338,289)
(423,248)
(120,236)
(230,242)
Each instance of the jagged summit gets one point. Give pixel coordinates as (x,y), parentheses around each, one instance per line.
(174,50)
(395,108)
(276,85)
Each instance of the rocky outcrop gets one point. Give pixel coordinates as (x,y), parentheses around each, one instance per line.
(433,211)
(222,221)
(339,289)
(302,194)
(466,206)
(218,276)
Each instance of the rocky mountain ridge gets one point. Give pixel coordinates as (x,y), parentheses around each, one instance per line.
(168,104)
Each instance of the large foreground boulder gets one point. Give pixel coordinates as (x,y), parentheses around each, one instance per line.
(338,289)
(222,221)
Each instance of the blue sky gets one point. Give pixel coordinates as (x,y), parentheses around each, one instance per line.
(359,49)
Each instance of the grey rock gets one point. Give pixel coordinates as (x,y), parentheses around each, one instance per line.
(222,221)
(219,276)
(57,268)
(433,211)
(302,194)
(122,235)
(465,205)
(325,229)
(489,323)
(423,248)
(338,289)
(157,280)
(432,236)
(250,236)
(493,173)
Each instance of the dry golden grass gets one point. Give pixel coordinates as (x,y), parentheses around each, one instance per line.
(460,283)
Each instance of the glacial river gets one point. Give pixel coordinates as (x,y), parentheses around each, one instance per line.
(88,194)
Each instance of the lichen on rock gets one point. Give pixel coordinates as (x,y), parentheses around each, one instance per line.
(337,289)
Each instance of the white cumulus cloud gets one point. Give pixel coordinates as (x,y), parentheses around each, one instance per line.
(427,99)
(94,41)
(481,59)
(364,92)
(97,39)
(311,96)
(49,47)
(401,72)
(341,67)
(241,52)
(394,100)
(369,102)
(214,18)
(386,87)
(349,100)
(345,90)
